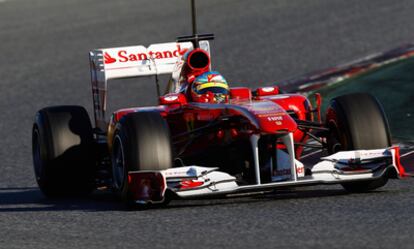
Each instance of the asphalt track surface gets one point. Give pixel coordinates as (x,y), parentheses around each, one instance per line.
(43,61)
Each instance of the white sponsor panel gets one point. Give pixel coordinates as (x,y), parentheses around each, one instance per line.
(133,61)
(283,171)
(140,56)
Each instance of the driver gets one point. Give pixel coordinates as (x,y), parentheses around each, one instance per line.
(210,87)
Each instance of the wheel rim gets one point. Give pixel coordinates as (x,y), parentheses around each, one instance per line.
(37,154)
(334,144)
(118,163)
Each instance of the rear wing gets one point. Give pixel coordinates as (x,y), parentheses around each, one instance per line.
(132,61)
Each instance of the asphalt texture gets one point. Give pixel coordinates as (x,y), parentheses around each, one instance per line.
(43,61)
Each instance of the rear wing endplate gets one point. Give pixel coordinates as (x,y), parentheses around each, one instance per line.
(131,61)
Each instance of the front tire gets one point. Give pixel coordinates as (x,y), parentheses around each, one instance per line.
(357,121)
(141,142)
(63,151)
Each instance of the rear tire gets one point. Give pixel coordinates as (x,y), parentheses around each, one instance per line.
(357,121)
(141,142)
(63,151)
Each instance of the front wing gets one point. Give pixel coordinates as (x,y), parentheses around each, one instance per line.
(196,181)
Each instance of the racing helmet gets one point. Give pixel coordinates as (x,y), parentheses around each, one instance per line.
(210,87)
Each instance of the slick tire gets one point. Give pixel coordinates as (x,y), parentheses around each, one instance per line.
(357,121)
(141,142)
(63,151)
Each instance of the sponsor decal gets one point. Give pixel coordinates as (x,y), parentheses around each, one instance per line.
(171,98)
(127,55)
(264,108)
(268,89)
(108,58)
(280,97)
(188,184)
(275,118)
(266,115)
(183,172)
(175,173)
(371,154)
(281,172)
(286,171)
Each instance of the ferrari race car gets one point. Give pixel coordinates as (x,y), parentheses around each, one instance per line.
(205,138)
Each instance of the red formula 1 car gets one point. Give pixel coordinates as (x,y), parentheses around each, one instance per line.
(206,138)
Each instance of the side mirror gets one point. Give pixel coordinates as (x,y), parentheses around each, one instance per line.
(173,99)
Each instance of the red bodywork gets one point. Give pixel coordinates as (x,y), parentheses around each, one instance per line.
(271,114)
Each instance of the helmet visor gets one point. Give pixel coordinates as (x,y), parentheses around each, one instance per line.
(213,87)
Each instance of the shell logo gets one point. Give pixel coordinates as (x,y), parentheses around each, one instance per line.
(171,98)
(268,89)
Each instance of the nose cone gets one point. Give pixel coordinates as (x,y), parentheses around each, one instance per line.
(272,118)
(276,123)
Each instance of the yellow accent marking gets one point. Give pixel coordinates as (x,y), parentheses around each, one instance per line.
(212,84)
